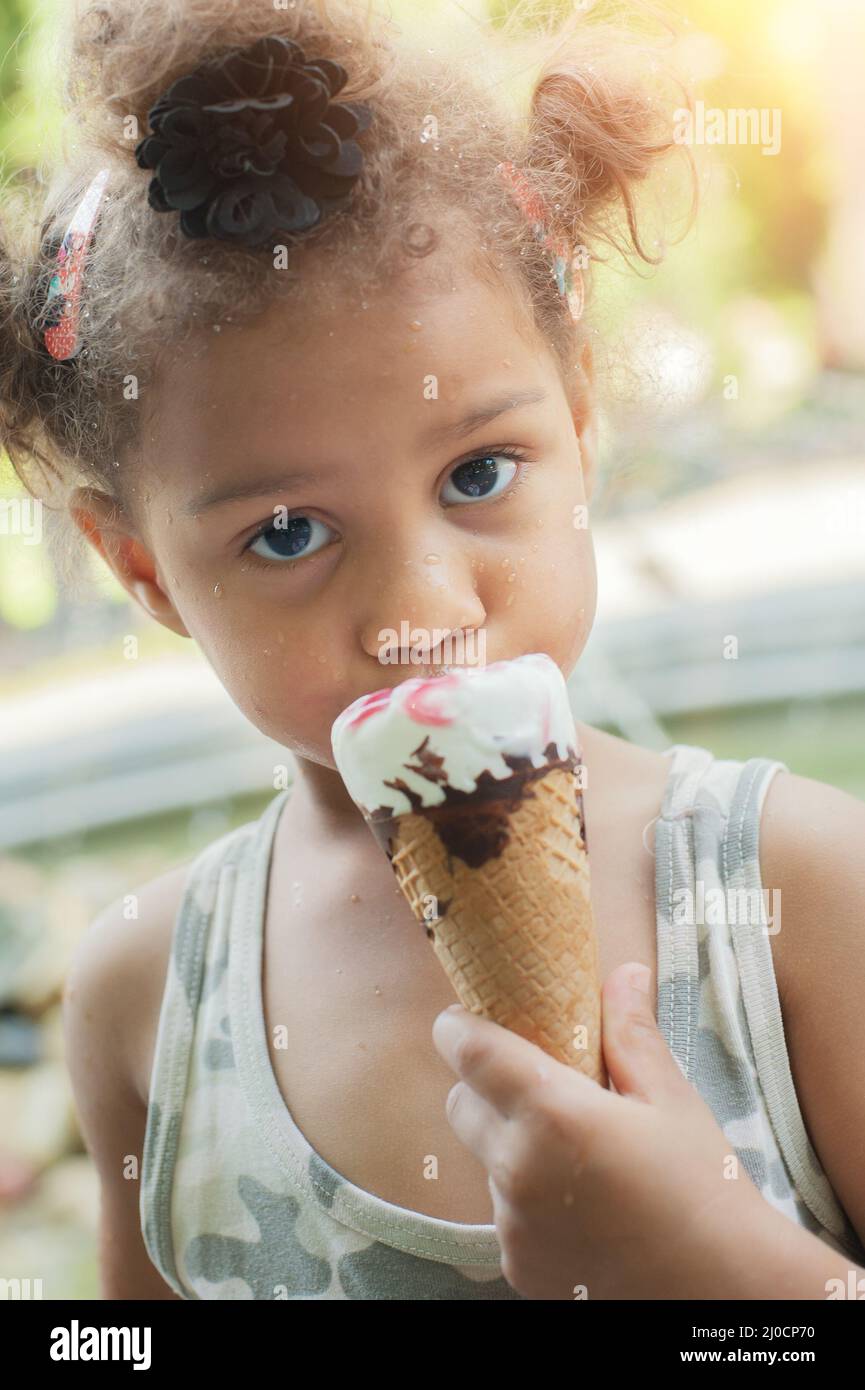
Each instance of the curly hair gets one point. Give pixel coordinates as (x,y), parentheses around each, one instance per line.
(598,118)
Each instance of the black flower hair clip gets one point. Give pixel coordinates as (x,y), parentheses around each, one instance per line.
(252,144)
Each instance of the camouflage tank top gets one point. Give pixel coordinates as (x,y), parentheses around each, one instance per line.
(235,1204)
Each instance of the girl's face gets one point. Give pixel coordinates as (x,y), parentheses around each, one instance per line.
(310,487)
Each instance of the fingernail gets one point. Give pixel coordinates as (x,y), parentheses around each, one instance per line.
(448,1013)
(639,978)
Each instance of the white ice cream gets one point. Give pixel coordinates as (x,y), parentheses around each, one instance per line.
(470,717)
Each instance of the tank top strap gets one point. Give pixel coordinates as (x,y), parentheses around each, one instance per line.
(678,1004)
(757,917)
(197,969)
(694,858)
(718,1002)
(687,765)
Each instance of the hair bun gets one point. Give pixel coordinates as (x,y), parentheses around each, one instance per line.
(252,144)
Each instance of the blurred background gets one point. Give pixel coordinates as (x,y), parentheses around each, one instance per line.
(729,527)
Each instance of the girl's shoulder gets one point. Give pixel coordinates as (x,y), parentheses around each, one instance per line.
(121,963)
(811,838)
(119,968)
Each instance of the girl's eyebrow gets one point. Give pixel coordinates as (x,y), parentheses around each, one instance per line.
(483,414)
(263,487)
(255,487)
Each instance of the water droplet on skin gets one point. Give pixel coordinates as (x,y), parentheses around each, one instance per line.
(354,898)
(363,304)
(415,325)
(432,559)
(322,660)
(377,990)
(510,600)
(218,590)
(540,521)
(511,578)
(217,328)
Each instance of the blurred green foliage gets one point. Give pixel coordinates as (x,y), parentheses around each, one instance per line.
(14,15)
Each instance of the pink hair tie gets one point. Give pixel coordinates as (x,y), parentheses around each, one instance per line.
(63,301)
(536,212)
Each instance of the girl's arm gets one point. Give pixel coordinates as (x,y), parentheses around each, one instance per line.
(99,1013)
(812,847)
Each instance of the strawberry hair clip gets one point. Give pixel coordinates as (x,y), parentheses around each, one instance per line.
(568,277)
(63,300)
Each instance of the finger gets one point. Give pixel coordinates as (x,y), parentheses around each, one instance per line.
(639,1061)
(505,1069)
(476,1123)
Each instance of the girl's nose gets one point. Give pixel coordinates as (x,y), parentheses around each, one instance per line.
(424,592)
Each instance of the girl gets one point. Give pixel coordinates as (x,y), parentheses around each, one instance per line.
(301,337)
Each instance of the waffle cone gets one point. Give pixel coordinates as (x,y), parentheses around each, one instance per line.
(516,934)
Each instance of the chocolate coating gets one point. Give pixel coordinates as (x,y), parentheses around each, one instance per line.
(473,826)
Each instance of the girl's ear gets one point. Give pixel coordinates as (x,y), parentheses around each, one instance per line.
(585,417)
(103,524)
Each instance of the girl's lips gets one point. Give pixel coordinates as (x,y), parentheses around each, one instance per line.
(429,673)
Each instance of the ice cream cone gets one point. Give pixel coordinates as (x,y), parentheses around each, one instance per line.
(515,934)
(488,843)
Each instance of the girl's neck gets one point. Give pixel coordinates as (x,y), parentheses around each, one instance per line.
(320,796)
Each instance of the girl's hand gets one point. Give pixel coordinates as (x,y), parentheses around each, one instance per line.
(627,1193)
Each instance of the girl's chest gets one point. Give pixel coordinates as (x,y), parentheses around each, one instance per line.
(348,1014)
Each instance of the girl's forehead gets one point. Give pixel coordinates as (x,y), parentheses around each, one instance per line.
(354,395)
(401,347)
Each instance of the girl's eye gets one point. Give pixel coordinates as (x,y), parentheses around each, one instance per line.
(479,478)
(292,539)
